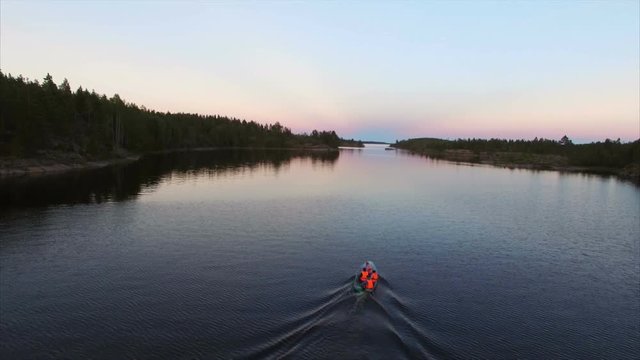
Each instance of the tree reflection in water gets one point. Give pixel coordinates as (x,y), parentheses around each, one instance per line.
(123,182)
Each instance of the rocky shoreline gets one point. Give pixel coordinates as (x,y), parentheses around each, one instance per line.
(57,162)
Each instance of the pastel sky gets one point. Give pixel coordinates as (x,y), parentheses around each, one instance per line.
(375,70)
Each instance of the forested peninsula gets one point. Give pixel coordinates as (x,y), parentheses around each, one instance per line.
(47,126)
(607,157)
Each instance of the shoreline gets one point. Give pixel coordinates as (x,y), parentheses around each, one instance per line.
(56,163)
(301,148)
(61,162)
(18,167)
(536,162)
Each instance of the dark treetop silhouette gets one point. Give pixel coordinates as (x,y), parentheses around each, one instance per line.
(36,118)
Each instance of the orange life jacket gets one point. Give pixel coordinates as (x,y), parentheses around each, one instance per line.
(364,275)
(374,276)
(369,284)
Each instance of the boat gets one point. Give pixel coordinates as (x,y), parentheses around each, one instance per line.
(389,148)
(357,285)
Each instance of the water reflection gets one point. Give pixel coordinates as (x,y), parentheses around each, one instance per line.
(251,255)
(125,182)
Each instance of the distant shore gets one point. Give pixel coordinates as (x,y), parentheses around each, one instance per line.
(514,160)
(53,162)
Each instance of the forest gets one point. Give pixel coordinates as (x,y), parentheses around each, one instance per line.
(39,117)
(607,154)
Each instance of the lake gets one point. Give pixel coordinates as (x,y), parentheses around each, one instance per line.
(252,254)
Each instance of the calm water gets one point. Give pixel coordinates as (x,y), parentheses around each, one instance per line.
(240,254)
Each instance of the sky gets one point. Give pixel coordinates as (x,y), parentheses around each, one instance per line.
(372,70)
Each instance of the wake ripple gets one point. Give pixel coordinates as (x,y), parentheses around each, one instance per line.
(342,324)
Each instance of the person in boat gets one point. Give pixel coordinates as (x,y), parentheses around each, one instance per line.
(369,284)
(364,274)
(374,276)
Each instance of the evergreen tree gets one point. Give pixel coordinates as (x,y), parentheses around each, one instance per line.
(38,117)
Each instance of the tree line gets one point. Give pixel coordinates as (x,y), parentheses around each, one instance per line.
(607,153)
(36,117)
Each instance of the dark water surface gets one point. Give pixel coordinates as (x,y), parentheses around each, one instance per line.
(250,254)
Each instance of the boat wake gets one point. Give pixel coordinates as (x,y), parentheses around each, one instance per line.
(343,324)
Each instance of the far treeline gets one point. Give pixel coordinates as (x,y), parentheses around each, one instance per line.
(612,154)
(39,117)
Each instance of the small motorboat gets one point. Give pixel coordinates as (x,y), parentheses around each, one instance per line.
(358,286)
